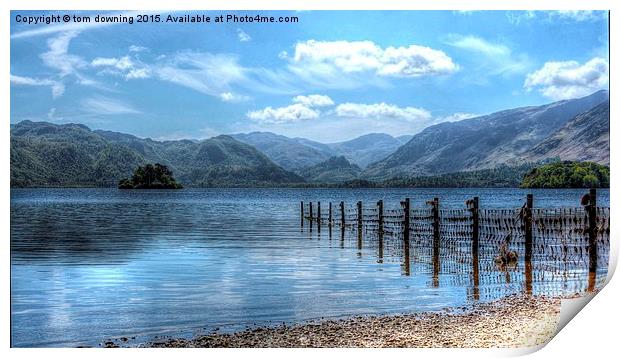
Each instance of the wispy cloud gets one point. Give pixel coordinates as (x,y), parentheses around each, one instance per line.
(455,117)
(569,79)
(491,58)
(477,44)
(518,17)
(136,48)
(107,106)
(58,57)
(233,97)
(243,36)
(57,87)
(124,66)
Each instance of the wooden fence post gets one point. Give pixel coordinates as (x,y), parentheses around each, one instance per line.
(529,204)
(342,218)
(380,229)
(380,215)
(436,261)
(592,232)
(436,222)
(359,214)
(476,226)
(330,215)
(310,218)
(302,214)
(360,223)
(318,217)
(475,246)
(406,219)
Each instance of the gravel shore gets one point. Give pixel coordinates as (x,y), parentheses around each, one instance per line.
(515,321)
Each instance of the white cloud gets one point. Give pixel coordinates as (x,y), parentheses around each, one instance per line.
(455,117)
(382,111)
(107,106)
(491,58)
(365,56)
(58,57)
(51,114)
(303,108)
(478,44)
(233,97)
(243,36)
(202,72)
(136,48)
(578,15)
(123,63)
(569,79)
(517,17)
(138,73)
(57,87)
(314,100)
(293,113)
(124,66)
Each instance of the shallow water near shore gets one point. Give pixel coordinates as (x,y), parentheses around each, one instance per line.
(92,264)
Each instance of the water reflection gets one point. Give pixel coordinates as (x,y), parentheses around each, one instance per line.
(92,264)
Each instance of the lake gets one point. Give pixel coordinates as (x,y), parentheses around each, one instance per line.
(88,265)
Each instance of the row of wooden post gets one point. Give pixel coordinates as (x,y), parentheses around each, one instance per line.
(590,208)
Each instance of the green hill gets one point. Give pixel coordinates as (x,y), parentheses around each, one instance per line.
(46,154)
(334,170)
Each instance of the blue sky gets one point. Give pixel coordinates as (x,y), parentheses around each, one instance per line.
(332,76)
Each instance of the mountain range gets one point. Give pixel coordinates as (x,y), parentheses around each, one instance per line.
(505,137)
(298,153)
(47,154)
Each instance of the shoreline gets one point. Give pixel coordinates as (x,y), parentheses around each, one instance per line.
(515,321)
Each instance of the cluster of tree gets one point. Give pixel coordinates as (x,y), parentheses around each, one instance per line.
(501,177)
(568,174)
(150,177)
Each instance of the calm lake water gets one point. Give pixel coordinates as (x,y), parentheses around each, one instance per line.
(88,265)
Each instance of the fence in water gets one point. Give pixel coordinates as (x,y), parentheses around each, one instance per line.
(548,241)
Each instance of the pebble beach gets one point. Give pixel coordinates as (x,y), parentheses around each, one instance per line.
(513,322)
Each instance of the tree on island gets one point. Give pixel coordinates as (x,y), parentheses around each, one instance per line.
(567,174)
(150,176)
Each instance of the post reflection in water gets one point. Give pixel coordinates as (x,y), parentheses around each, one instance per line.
(591,281)
(528,277)
(380,247)
(407,259)
(476,276)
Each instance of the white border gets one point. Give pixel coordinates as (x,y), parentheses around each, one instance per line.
(592,332)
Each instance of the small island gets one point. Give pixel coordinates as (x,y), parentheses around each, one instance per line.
(150,176)
(567,174)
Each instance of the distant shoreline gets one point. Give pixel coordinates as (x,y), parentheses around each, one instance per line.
(291,187)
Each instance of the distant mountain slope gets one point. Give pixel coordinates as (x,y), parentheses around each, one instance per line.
(368,148)
(583,138)
(482,142)
(404,138)
(298,153)
(46,154)
(333,170)
(289,153)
